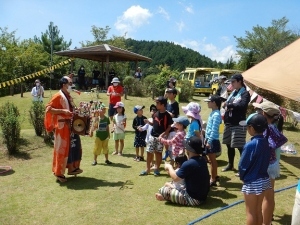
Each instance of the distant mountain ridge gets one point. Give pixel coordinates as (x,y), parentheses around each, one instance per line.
(175,56)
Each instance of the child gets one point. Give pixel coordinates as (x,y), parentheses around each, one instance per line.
(101,125)
(140,136)
(276,139)
(161,125)
(192,111)
(253,168)
(119,121)
(176,142)
(212,142)
(178,185)
(173,110)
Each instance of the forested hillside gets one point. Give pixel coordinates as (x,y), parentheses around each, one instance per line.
(175,56)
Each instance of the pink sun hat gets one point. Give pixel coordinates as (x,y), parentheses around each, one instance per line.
(192,109)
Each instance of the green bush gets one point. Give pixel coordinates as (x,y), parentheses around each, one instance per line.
(36,117)
(187,91)
(10,126)
(134,87)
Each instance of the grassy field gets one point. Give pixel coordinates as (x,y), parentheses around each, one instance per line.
(115,194)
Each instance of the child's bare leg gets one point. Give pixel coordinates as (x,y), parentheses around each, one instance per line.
(158,159)
(253,208)
(169,184)
(142,152)
(268,204)
(213,166)
(117,146)
(121,145)
(137,151)
(149,160)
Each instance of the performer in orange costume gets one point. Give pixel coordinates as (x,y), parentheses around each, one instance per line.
(58,117)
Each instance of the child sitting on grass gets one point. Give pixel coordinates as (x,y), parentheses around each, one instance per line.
(178,185)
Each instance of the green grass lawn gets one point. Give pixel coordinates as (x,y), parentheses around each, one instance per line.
(115,194)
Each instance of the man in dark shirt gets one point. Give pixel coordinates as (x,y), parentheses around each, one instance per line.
(195,174)
(95,75)
(161,125)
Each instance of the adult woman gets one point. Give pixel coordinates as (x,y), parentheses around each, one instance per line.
(234,135)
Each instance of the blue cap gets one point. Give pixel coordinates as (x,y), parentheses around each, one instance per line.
(183,120)
(137,108)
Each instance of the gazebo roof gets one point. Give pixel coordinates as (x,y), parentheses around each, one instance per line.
(101,52)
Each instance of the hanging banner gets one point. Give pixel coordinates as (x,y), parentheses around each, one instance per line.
(30,76)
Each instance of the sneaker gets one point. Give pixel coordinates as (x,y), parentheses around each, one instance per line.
(114,153)
(108,162)
(94,163)
(237,174)
(120,154)
(213,184)
(136,158)
(141,158)
(227,168)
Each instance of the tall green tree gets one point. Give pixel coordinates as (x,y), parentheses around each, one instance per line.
(262,42)
(51,36)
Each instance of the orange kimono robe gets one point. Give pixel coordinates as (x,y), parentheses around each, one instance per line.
(61,124)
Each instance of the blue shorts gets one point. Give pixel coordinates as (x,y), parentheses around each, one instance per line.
(215,147)
(111,110)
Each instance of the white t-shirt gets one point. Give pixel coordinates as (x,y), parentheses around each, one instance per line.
(119,123)
(37,93)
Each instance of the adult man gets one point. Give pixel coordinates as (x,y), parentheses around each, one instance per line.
(58,118)
(95,75)
(195,174)
(37,92)
(115,92)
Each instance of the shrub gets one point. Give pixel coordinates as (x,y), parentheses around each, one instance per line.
(187,91)
(134,87)
(36,117)
(10,125)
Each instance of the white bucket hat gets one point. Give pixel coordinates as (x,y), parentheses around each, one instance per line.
(115,80)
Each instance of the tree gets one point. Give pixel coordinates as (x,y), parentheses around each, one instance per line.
(263,42)
(52,36)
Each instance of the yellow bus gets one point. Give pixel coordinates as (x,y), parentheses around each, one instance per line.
(200,78)
(218,73)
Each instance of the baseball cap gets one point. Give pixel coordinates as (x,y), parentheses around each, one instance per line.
(194,144)
(183,120)
(214,98)
(256,120)
(161,100)
(172,90)
(115,80)
(237,77)
(137,108)
(268,107)
(119,104)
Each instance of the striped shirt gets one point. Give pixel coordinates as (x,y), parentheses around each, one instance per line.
(213,125)
(176,142)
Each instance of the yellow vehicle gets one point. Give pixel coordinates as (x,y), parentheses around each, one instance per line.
(217,74)
(200,78)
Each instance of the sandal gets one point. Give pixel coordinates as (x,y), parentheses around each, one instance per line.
(156,173)
(75,172)
(144,173)
(61,179)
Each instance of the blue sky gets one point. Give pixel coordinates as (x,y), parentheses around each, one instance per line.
(206,26)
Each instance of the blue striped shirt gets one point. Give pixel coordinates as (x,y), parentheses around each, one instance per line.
(213,125)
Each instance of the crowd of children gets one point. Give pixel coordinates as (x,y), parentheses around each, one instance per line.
(185,135)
